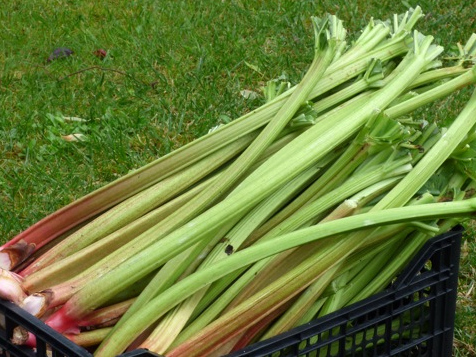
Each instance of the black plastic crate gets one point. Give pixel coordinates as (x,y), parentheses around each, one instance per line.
(413,317)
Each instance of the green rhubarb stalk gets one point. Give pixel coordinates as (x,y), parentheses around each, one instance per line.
(89,338)
(395,231)
(352,185)
(372,132)
(168,275)
(353,156)
(342,297)
(354,264)
(132,291)
(425,143)
(167,330)
(283,263)
(56,272)
(311,312)
(401,27)
(373,74)
(388,270)
(440,74)
(217,301)
(357,58)
(80,261)
(139,204)
(103,316)
(351,70)
(360,289)
(463,80)
(374,36)
(434,158)
(364,36)
(296,313)
(246,338)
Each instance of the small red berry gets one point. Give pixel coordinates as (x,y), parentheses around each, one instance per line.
(100,53)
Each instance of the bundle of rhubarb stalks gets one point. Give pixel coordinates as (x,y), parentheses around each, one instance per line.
(311,202)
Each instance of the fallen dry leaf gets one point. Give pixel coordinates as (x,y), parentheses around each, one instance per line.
(74,137)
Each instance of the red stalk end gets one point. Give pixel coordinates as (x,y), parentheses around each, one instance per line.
(22,337)
(37,303)
(15,254)
(60,293)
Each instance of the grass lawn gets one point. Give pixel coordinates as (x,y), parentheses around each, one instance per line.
(173,70)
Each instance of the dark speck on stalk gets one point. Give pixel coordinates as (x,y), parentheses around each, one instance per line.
(229,249)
